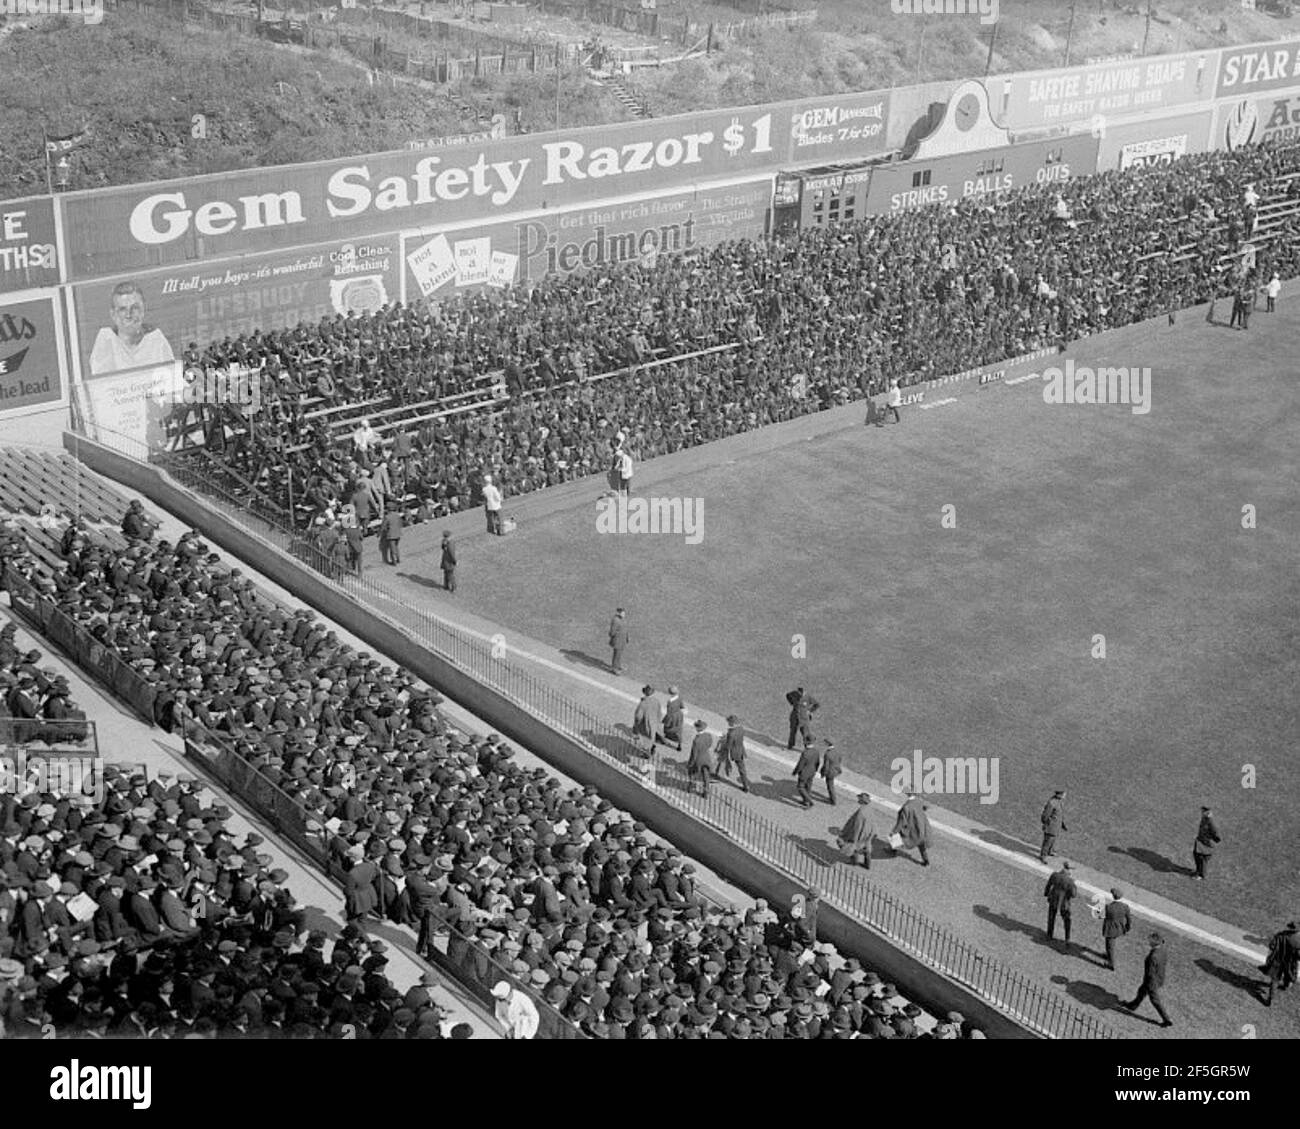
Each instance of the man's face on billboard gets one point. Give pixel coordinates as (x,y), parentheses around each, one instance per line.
(127,316)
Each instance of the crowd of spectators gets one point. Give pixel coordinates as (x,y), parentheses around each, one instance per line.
(429,828)
(131,910)
(829,315)
(35,701)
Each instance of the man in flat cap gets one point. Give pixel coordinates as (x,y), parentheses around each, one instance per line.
(1059,892)
(1115,924)
(674,718)
(1153,979)
(1207,838)
(618,639)
(1053,821)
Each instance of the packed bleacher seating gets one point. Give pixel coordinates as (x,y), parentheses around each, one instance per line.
(430,829)
(141,915)
(36,703)
(532,384)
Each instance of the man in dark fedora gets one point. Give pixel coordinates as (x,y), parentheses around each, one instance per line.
(857,835)
(1283,962)
(731,751)
(805,772)
(648,722)
(700,765)
(912,828)
(1153,979)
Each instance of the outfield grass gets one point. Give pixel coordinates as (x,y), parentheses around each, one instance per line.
(1072,522)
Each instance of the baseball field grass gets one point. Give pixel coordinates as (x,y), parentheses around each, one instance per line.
(1112,606)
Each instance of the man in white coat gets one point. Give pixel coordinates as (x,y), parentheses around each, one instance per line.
(515,1011)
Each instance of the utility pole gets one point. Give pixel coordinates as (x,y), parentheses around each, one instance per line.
(993,38)
(920,47)
(557,87)
(1069,35)
(1147,31)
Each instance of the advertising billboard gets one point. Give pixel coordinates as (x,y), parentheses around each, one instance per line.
(441,262)
(949,180)
(31,356)
(1157,141)
(1253,119)
(29,257)
(121,231)
(130,333)
(1261,67)
(1040,99)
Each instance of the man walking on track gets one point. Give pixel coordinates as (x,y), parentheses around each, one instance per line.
(674,718)
(1060,892)
(731,751)
(448,562)
(1053,821)
(1115,924)
(700,764)
(805,772)
(647,722)
(802,707)
(857,835)
(1283,962)
(831,768)
(1153,979)
(1207,837)
(912,828)
(618,639)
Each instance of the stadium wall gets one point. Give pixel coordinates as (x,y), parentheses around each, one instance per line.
(721,853)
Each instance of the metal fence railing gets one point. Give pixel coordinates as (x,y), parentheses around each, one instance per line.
(1027,1002)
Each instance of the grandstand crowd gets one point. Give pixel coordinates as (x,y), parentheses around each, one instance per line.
(191,934)
(738,336)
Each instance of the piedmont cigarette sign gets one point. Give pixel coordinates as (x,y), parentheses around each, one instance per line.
(118,231)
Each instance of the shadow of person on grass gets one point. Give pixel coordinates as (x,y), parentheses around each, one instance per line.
(1093,995)
(1253,986)
(581,658)
(1034,933)
(422,581)
(1152,859)
(821,852)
